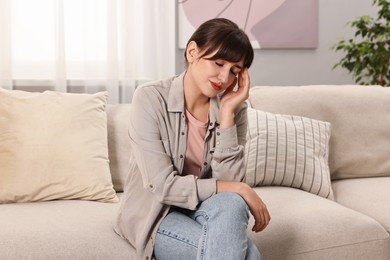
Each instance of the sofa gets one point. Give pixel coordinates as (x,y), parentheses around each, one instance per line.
(318,156)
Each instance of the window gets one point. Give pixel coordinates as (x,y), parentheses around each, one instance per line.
(94,44)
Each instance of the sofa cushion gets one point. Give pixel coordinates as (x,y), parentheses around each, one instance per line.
(371,196)
(63,229)
(359,115)
(284,150)
(304,226)
(119,149)
(53,146)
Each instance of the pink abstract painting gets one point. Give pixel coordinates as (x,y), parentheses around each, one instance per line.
(268,23)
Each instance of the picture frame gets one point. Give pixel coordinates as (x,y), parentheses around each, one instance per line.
(276,24)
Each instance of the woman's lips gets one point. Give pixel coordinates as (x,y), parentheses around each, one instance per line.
(215,86)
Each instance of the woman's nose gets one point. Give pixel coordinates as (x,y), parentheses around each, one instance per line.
(223,76)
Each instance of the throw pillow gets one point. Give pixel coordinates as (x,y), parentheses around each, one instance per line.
(284,150)
(54,146)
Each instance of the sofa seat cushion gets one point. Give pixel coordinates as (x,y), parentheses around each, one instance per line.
(306,226)
(370,196)
(67,229)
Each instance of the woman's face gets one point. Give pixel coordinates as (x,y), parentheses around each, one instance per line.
(214,76)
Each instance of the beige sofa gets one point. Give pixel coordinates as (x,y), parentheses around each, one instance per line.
(348,219)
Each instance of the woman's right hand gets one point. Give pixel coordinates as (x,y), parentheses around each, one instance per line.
(231,99)
(256,206)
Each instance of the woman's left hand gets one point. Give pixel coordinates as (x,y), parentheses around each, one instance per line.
(255,204)
(231,99)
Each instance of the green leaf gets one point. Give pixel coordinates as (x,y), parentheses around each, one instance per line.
(367,55)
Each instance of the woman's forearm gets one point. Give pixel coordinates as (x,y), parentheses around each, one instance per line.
(232,186)
(226,118)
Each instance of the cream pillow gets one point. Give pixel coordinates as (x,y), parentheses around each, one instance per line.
(53,146)
(285,150)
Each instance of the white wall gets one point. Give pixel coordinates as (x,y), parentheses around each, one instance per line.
(308,66)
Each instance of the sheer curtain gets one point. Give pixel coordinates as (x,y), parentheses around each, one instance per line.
(86,45)
(5,45)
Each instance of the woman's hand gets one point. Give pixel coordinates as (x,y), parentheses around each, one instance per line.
(231,99)
(256,206)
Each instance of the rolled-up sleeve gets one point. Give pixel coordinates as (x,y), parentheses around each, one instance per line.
(206,188)
(228,157)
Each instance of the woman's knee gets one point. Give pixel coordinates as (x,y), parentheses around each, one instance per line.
(232,201)
(227,205)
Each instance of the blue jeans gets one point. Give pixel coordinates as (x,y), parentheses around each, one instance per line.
(216,230)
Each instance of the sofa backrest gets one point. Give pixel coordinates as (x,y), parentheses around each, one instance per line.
(119,149)
(359,117)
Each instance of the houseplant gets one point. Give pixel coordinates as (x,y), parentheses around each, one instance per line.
(367,55)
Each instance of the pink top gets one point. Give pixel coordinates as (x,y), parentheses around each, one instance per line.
(196,131)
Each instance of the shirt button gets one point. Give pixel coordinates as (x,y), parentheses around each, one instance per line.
(211,124)
(151,186)
(205,163)
(218,133)
(182,133)
(181,156)
(218,142)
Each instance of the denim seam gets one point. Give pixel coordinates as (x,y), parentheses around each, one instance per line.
(202,251)
(177,237)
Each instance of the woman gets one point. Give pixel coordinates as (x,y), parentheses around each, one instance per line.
(183,197)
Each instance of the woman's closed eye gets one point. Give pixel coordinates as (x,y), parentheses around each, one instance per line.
(234,73)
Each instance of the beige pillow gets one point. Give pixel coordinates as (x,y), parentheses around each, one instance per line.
(54,146)
(285,150)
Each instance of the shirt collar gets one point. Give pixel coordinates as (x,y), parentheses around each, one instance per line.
(176,95)
(176,101)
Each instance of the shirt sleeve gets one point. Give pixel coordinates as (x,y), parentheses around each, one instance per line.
(228,157)
(148,119)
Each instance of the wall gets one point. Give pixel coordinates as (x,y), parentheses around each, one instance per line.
(275,67)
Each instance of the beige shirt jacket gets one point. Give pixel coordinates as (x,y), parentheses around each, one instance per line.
(158,139)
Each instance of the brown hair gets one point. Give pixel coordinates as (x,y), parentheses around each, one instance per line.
(221,34)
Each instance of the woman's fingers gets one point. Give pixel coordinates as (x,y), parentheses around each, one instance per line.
(266,220)
(262,218)
(244,80)
(231,87)
(257,208)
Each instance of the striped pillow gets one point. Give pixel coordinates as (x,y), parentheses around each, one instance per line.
(284,150)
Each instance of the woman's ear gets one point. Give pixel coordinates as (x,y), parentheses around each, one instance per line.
(192,51)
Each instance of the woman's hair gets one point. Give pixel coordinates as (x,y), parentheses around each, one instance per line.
(221,34)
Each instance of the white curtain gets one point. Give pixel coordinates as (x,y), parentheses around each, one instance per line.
(5,45)
(86,45)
